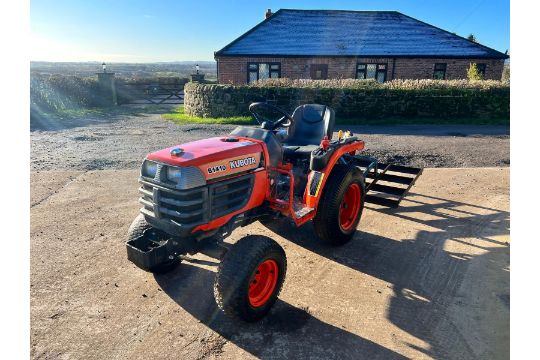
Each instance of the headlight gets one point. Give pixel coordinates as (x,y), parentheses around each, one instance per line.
(173,174)
(149,169)
(185,177)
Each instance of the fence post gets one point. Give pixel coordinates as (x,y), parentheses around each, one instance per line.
(107,87)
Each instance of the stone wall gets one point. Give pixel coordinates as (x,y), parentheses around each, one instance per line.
(355,103)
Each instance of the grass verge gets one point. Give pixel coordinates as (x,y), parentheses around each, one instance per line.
(179,117)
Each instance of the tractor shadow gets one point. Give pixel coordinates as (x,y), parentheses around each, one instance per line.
(425,276)
(287,332)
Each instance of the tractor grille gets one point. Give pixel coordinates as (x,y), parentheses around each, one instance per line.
(189,208)
(184,207)
(228,196)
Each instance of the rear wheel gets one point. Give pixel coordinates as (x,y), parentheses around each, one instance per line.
(250,277)
(139,227)
(340,206)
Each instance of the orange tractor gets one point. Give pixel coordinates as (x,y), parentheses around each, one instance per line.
(195,194)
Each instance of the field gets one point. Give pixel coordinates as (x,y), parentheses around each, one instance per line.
(126,70)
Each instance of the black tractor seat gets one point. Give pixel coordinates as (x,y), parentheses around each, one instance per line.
(298,151)
(312,122)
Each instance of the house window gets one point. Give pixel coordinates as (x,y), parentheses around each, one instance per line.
(261,71)
(319,71)
(371,71)
(439,71)
(481,70)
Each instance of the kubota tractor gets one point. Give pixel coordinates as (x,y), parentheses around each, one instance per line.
(195,194)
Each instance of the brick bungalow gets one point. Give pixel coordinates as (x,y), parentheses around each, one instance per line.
(335,44)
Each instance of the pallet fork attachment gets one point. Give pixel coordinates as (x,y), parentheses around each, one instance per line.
(386,184)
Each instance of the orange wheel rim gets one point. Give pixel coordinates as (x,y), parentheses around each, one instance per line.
(263,283)
(350,207)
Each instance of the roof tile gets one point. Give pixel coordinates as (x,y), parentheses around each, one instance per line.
(351,33)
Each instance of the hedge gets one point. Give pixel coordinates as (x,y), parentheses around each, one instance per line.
(53,93)
(358,99)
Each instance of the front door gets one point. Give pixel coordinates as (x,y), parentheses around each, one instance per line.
(319,71)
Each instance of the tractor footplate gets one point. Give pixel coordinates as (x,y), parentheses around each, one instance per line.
(303,212)
(386,184)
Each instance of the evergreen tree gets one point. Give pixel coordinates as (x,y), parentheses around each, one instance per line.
(473,73)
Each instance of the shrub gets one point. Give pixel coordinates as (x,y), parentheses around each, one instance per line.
(473,73)
(423,84)
(307,83)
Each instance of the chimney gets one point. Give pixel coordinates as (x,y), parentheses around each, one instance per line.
(268,13)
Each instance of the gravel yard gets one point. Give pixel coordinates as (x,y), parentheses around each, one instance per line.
(123,141)
(430,279)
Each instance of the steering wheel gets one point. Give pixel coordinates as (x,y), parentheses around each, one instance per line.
(284,122)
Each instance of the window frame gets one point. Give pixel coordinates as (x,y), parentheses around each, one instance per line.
(270,71)
(483,71)
(443,70)
(377,70)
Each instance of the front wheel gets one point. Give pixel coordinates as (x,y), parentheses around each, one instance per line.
(250,277)
(340,206)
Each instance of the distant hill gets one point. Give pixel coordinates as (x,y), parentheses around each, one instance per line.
(129,70)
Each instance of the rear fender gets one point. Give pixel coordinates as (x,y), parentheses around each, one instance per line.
(317,179)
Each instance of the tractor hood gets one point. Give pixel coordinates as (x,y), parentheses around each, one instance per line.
(215,157)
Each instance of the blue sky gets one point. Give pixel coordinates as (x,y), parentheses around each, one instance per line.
(145,31)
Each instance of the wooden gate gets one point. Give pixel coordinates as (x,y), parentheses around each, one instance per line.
(162,91)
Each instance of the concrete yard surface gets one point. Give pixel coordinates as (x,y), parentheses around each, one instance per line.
(429,279)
